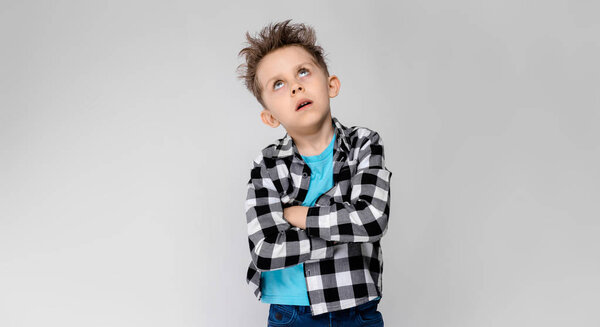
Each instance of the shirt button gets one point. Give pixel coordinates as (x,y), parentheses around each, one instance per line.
(304,175)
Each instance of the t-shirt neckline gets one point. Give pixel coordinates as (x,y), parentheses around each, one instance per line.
(322,155)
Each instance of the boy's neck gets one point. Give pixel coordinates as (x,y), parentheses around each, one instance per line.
(314,142)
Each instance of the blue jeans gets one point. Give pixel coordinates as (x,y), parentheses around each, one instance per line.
(365,314)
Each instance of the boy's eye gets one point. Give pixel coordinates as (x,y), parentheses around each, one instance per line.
(303,69)
(277,82)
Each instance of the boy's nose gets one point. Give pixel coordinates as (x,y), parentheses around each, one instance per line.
(297,88)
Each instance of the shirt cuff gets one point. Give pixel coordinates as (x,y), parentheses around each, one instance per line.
(317,222)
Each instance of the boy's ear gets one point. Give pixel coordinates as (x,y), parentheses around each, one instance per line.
(268,118)
(334,86)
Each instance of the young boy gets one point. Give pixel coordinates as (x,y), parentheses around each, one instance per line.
(318,199)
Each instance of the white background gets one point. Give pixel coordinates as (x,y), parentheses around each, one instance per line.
(126,142)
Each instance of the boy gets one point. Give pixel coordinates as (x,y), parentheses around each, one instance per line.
(318,199)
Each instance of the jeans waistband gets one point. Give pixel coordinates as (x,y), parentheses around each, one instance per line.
(350,311)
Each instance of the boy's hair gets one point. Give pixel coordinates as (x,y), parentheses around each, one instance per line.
(270,38)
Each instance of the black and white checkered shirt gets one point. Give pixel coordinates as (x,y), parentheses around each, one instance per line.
(340,246)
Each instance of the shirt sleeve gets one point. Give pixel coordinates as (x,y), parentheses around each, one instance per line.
(274,243)
(365,217)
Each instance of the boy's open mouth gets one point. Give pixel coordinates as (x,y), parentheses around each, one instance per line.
(303,103)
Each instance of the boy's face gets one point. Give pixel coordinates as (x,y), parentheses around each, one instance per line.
(288,75)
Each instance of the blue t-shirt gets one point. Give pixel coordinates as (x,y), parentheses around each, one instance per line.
(288,285)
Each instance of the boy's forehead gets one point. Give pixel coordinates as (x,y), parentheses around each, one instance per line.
(282,60)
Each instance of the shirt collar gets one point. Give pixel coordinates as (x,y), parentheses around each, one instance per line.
(286,147)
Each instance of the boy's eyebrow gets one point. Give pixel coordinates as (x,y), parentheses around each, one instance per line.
(295,68)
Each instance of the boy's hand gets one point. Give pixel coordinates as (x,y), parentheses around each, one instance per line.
(296,215)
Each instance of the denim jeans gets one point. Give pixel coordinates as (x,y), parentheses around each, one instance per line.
(365,314)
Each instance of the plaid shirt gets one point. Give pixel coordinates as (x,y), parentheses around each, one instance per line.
(340,247)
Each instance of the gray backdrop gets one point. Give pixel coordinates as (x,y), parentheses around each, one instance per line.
(126,143)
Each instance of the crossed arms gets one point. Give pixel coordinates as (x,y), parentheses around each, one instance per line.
(280,238)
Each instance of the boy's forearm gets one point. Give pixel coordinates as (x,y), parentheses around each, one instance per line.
(364,217)
(273,244)
(296,216)
(348,222)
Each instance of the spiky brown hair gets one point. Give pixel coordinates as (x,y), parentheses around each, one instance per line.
(273,37)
